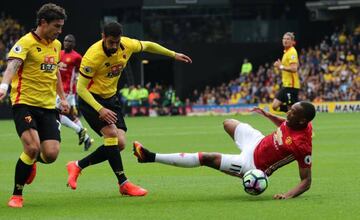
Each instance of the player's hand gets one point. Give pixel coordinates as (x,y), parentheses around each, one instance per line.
(183,58)
(2,94)
(279,196)
(258,110)
(277,63)
(107,115)
(64,106)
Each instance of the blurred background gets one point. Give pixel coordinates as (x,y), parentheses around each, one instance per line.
(221,37)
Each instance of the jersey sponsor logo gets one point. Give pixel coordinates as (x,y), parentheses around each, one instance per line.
(49,65)
(62,66)
(68,60)
(115,71)
(38,49)
(17,49)
(307,159)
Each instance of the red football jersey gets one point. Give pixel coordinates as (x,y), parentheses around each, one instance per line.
(69,66)
(282,147)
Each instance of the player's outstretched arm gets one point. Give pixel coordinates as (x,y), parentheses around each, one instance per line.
(152,47)
(275,119)
(303,186)
(11,69)
(183,58)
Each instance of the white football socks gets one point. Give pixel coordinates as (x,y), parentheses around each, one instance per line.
(78,122)
(179,159)
(68,123)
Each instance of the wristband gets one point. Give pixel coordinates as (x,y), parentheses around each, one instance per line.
(281,67)
(4,86)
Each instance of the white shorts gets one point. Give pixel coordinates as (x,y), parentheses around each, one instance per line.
(70,99)
(246,139)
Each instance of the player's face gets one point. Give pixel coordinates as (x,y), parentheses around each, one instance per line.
(294,115)
(69,43)
(112,43)
(53,29)
(287,41)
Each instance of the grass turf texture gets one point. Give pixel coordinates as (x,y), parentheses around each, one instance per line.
(178,193)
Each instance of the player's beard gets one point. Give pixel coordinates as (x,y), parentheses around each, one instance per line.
(112,50)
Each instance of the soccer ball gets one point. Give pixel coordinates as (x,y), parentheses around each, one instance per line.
(255,182)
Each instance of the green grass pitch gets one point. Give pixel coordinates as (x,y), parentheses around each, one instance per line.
(178,193)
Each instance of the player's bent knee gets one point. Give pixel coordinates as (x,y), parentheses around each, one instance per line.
(230,126)
(50,157)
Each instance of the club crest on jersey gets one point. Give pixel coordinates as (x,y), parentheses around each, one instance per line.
(17,49)
(288,140)
(115,71)
(49,65)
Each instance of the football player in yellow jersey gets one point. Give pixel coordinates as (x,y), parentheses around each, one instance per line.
(35,80)
(100,71)
(288,65)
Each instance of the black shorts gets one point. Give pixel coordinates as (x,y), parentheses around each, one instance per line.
(45,121)
(288,96)
(92,116)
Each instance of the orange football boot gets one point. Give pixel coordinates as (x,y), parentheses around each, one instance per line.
(131,189)
(16,201)
(73,172)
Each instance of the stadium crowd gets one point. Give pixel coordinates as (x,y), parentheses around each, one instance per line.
(10,32)
(329,71)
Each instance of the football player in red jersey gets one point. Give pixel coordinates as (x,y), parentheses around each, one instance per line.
(291,141)
(69,68)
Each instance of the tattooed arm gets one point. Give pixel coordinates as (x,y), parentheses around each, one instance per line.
(11,69)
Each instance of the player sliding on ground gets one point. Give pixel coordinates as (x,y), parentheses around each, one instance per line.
(291,141)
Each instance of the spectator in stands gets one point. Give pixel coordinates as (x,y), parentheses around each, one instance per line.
(169,97)
(143,96)
(246,67)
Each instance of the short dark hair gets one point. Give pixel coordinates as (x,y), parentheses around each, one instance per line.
(50,12)
(308,110)
(71,36)
(113,29)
